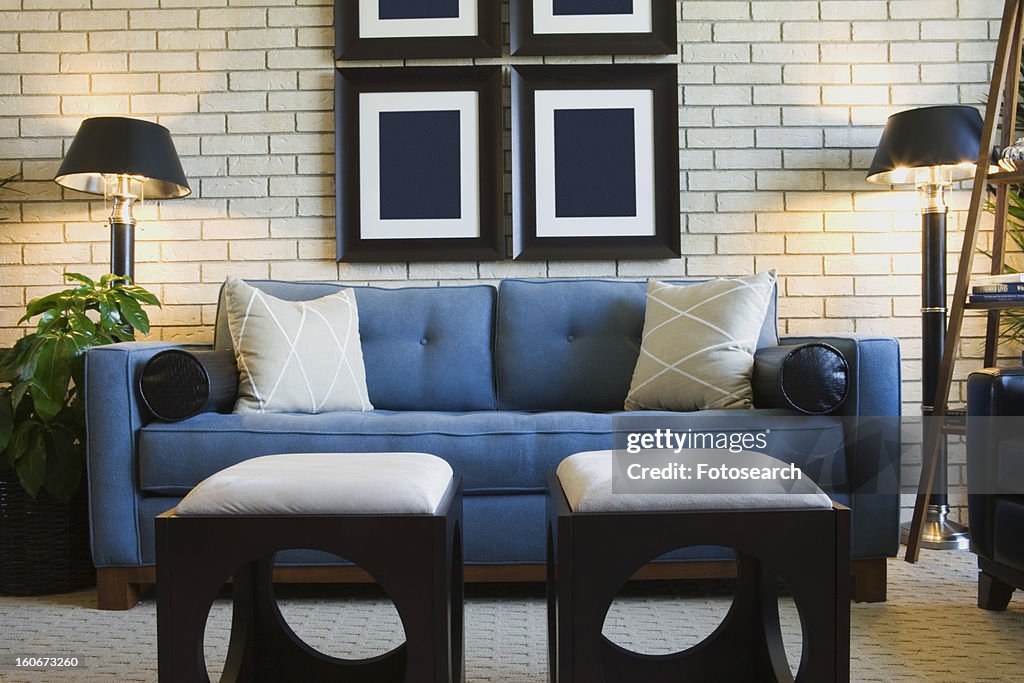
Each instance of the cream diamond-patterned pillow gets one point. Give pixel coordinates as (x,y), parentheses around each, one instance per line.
(697,350)
(296,356)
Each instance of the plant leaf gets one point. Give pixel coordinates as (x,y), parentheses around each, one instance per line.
(29,357)
(78,277)
(50,319)
(55,301)
(81,323)
(1012,321)
(16,446)
(64,460)
(132,312)
(18,391)
(32,467)
(141,294)
(45,406)
(81,341)
(27,455)
(6,418)
(51,378)
(110,317)
(10,368)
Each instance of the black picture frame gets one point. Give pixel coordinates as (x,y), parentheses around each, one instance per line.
(349,44)
(350,83)
(661,79)
(660,40)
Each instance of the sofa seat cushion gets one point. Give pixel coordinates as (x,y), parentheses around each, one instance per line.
(586,480)
(494,452)
(324,484)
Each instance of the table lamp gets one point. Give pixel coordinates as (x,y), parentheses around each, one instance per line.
(128,160)
(931,148)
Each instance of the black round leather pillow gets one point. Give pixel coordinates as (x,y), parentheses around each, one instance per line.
(177,384)
(810,378)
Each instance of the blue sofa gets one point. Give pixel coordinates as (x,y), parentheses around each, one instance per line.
(503,382)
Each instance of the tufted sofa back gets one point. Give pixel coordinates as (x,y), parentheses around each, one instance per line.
(425,348)
(573,344)
(528,345)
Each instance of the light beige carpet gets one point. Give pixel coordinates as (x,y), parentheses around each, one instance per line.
(929,631)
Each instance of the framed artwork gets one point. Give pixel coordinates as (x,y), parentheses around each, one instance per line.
(595,162)
(408,29)
(418,164)
(589,27)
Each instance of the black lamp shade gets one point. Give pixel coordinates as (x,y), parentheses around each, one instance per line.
(111,146)
(931,145)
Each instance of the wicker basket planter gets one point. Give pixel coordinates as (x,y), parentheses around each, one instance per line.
(44,544)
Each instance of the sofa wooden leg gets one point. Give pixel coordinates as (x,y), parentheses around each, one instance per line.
(869,580)
(993,594)
(121,588)
(115,590)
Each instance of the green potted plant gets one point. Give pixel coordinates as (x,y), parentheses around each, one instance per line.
(1013,320)
(43,516)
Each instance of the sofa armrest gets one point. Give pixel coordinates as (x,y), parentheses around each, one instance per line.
(875,383)
(995,428)
(810,378)
(871,421)
(114,414)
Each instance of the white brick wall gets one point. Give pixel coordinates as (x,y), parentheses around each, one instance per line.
(782,103)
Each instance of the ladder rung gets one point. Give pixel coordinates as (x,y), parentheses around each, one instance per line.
(1006,177)
(995,305)
(955,422)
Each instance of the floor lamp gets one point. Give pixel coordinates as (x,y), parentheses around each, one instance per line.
(127,160)
(931,148)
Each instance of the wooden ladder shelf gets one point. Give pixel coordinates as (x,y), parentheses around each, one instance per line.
(1005,81)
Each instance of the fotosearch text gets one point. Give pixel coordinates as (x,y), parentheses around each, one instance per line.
(713,472)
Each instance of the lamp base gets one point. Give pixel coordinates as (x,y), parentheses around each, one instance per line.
(939,532)
(122,249)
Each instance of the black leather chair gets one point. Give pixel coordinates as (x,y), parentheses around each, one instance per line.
(995,481)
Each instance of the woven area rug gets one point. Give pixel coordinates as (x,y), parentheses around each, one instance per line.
(929,630)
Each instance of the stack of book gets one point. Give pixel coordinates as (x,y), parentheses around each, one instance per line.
(998,288)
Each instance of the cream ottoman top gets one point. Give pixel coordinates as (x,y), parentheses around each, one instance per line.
(323,484)
(586,479)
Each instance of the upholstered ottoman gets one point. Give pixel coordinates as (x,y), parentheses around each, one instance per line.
(396,515)
(598,539)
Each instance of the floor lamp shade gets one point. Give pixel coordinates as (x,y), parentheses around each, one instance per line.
(109,147)
(930,145)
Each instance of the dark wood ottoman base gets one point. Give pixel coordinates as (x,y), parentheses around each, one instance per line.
(592,555)
(417,560)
